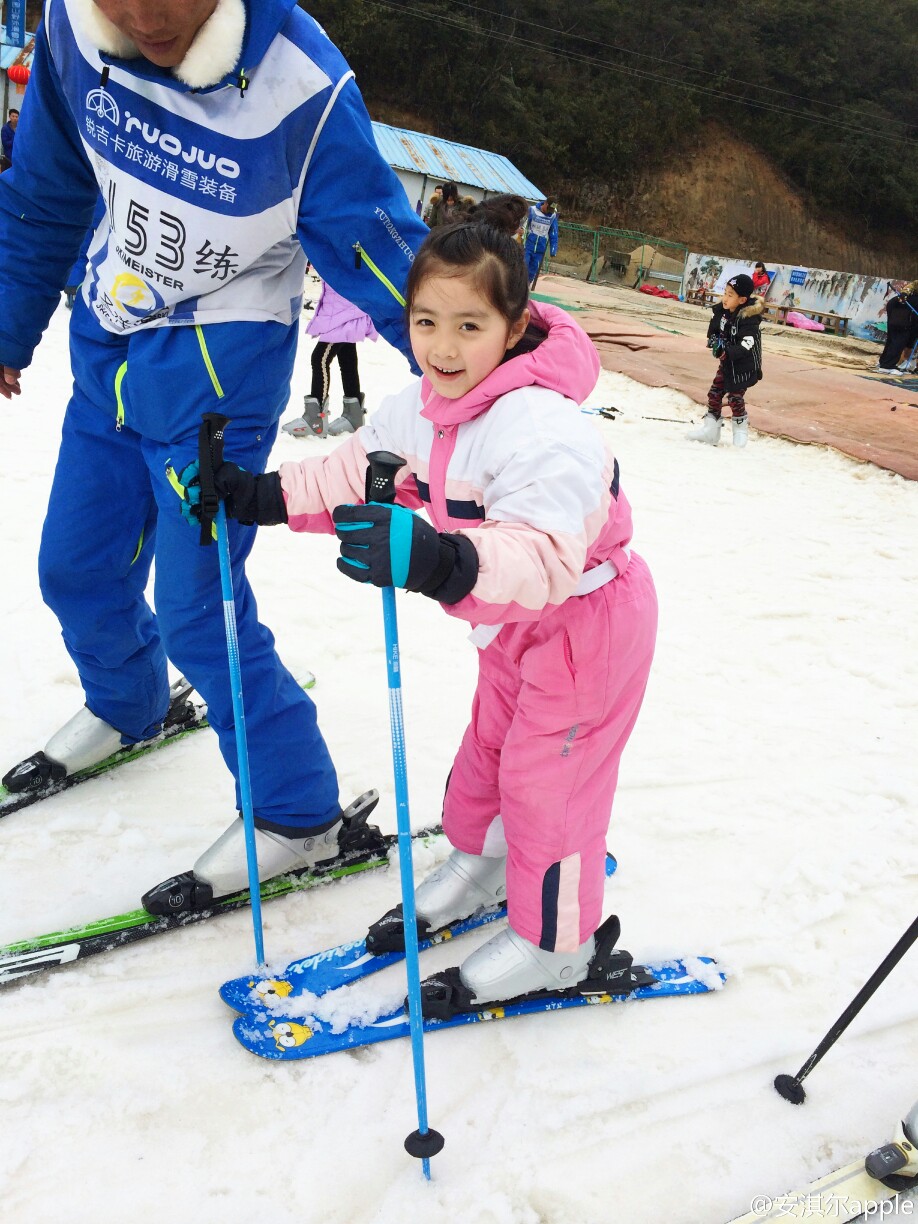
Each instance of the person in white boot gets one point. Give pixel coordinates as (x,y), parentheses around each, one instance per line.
(734,339)
(227,138)
(529,540)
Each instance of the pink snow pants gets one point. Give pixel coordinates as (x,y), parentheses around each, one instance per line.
(555,704)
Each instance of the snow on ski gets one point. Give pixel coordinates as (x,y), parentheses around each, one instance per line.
(289,1040)
(323,972)
(858,1189)
(60,948)
(194,720)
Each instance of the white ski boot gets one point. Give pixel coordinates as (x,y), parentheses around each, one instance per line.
(351,418)
(86,740)
(508,966)
(509,969)
(460,886)
(223,870)
(222,867)
(313,423)
(740,431)
(708,431)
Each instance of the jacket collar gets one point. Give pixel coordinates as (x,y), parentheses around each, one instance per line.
(566,361)
(235,36)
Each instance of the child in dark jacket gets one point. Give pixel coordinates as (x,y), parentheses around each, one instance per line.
(733,337)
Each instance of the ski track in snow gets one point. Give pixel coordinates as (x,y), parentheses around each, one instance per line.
(765,816)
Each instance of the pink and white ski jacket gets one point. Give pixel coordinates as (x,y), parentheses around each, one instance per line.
(513,465)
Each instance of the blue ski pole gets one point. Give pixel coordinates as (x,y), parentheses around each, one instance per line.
(213,512)
(424,1142)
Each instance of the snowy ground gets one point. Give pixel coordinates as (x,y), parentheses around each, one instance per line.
(765,816)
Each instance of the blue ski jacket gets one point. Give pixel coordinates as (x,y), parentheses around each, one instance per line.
(214,190)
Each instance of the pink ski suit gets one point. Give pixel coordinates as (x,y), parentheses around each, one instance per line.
(565,618)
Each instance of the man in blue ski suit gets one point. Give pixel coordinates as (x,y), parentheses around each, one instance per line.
(541,232)
(227,138)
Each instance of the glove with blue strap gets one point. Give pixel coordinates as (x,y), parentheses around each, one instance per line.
(246,497)
(391,546)
(716,345)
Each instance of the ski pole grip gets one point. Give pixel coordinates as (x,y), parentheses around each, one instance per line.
(210,456)
(381,473)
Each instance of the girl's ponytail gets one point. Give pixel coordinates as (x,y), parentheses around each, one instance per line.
(503,212)
(481,243)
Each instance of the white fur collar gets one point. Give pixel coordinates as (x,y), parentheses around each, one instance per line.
(214,52)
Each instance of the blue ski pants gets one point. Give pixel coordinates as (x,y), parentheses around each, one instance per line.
(535,249)
(134,414)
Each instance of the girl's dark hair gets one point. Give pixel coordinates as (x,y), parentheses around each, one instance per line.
(480,242)
(450,192)
(760,265)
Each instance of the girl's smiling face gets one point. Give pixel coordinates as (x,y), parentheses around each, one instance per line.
(457,336)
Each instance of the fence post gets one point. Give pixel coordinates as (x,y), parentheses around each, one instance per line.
(591,278)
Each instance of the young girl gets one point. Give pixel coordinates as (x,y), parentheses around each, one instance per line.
(339,326)
(529,544)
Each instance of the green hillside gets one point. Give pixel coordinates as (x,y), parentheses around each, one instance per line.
(593,96)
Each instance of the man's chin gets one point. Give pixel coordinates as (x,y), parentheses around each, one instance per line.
(166,55)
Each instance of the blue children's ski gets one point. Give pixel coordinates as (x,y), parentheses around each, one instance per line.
(286,1040)
(325,971)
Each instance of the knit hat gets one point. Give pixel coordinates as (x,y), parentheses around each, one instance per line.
(741,284)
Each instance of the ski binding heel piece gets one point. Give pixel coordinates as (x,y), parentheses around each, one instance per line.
(356,836)
(896,1164)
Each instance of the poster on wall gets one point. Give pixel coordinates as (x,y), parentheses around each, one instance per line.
(15,23)
(852,295)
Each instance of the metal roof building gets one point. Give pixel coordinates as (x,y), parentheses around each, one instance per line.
(422,162)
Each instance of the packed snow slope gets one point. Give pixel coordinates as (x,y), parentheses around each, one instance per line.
(766,816)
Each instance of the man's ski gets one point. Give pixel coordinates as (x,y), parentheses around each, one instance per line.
(325,971)
(61,948)
(183,718)
(287,1039)
(850,1192)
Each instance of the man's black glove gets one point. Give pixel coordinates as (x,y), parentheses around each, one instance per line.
(248,498)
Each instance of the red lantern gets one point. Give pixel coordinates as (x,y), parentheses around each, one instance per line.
(18,74)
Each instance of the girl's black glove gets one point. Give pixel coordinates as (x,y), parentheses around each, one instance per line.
(390,546)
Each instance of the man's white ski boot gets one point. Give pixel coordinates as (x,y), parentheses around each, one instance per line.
(313,423)
(222,869)
(510,969)
(740,431)
(708,431)
(459,887)
(86,740)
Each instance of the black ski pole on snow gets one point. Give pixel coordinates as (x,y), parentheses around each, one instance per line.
(791,1086)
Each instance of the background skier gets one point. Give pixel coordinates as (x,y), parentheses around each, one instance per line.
(541,234)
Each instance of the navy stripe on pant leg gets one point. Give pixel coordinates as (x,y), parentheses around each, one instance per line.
(551,883)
